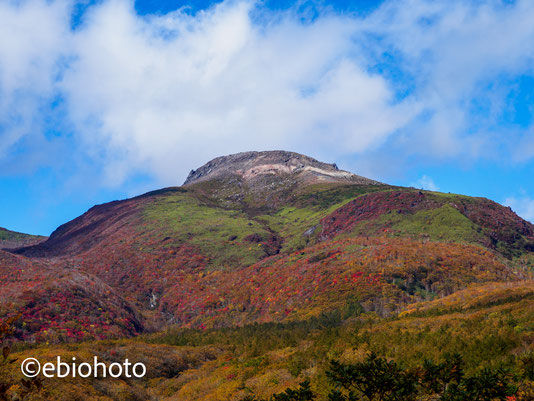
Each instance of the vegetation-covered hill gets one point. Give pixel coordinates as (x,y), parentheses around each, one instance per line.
(489,326)
(275,245)
(12,239)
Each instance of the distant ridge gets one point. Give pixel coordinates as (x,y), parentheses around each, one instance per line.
(12,239)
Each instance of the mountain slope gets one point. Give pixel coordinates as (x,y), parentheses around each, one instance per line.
(277,236)
(489,325)
(12,239)
(58,303)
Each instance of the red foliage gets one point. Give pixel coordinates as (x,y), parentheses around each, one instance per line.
(112,276)
(372,206)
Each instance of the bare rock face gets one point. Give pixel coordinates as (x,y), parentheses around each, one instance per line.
(256,167)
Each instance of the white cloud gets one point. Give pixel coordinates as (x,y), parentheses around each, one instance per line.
(455,51)
(522,205)
(425,182)
(217,83)
(160,94)
(34,35)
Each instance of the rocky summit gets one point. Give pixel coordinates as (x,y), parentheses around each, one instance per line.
(254,166)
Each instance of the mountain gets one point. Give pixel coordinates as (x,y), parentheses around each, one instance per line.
(273,236)
(12,239)
(261,268)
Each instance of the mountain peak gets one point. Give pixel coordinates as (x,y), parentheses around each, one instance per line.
(253,166)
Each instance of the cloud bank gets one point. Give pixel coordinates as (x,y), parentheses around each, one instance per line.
(160,94)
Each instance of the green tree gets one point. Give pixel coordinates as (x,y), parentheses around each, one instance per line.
(439,378)
(302,393)
(375,379)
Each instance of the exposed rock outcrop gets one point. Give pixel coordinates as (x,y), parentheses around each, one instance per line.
(252,166)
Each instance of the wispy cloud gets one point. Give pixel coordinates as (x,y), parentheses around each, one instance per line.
(522,205)
(425,182)
(159,94)
(34,40)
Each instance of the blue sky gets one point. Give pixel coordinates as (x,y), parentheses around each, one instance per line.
(102,100)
